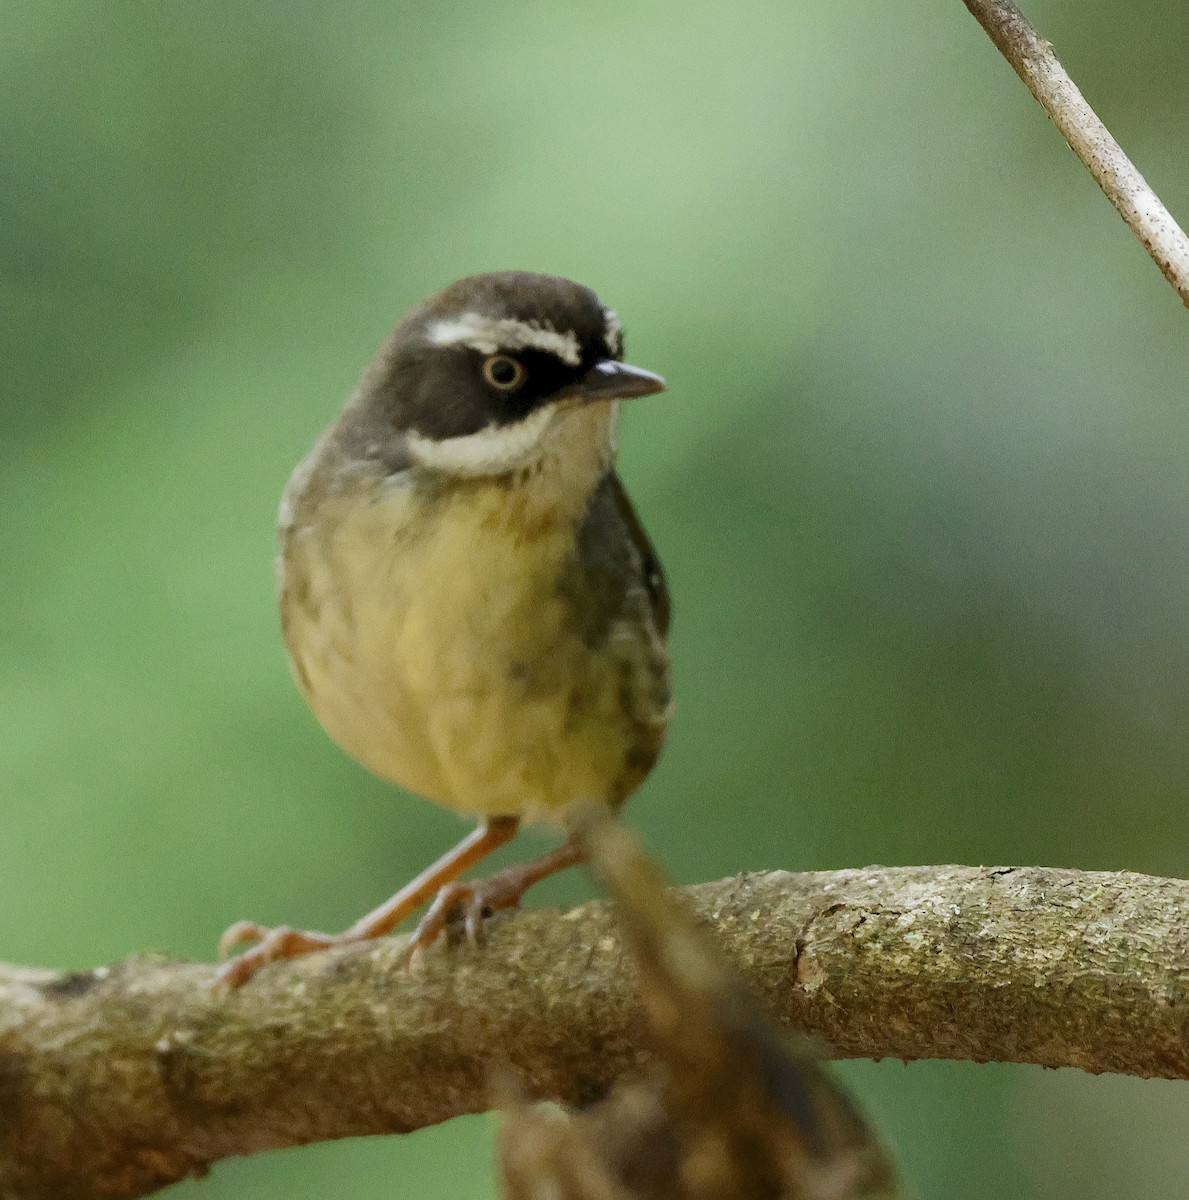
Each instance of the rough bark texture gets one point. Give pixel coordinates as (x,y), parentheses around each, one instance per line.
(120,1080)
(731,1111)
(1033,60)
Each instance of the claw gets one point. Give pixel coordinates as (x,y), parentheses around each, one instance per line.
(240,934)
(284,942)
(476,913)
(271,945)
(475,901)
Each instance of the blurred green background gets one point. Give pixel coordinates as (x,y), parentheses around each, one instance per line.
(921,482)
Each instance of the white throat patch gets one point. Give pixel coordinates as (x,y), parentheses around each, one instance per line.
(490,335)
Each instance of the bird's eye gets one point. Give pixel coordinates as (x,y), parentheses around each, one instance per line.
(504,372)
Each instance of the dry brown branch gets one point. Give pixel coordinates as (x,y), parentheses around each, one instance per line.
(731,1111)
(118,1081)
(1034,61)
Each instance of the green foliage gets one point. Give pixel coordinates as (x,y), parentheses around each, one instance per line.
(919,482)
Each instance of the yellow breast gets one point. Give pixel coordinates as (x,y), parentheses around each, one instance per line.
(430,637)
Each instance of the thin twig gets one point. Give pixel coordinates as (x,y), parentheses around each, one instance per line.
(118,1081)
(1034,61)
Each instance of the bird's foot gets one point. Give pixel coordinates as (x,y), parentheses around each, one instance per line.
(270,946)
(283,942)
(474,901)
(479,900)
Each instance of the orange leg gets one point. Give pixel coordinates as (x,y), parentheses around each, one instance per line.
(283,942)
(480,899)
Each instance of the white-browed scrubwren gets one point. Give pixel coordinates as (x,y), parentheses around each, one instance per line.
(469,602)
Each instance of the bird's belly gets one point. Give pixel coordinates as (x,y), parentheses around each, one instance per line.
(445,664)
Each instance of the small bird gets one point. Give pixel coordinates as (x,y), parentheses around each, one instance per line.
(468,599)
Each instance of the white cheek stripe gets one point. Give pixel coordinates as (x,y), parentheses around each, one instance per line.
(493,450)
(490,335)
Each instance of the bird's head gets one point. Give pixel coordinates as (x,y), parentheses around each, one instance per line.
(499,373)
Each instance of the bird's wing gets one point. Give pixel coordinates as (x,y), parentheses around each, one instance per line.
(654,573)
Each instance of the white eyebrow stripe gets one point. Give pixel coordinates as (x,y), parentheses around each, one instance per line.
(613,332)
(490,335)
(493,450)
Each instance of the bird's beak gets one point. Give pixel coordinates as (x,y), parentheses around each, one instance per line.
(611,380)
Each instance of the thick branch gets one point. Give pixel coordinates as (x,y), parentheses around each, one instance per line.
(1036,64)
(118,1081)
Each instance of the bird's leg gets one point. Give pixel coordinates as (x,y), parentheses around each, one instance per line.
(283,942)
(478,900)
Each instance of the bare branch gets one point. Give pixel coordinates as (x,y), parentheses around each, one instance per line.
(118,1081)
(1034,61)
(731,1110)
